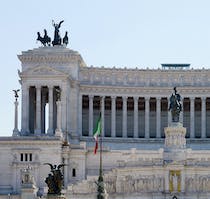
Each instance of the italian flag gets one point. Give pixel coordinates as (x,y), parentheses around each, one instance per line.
(96,133)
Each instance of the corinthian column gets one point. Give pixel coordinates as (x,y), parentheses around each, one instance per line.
(25,110)
(113,116)
(38,111)
(90,115)
(192,117)
(50,100)
(158,116)
(102,116)
(58,131)
(147,117)
(203,117)
(136,117)
(124,125)
(169,113)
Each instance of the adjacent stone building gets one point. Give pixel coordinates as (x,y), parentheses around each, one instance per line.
(144,154)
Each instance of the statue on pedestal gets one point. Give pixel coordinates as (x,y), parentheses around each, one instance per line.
(175,105)
(57,38)
(58,41)
(54,180)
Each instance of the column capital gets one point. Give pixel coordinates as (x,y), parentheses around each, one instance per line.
(136,98)
(124,97)
(27,86)
(203,98)
(38,87)
(192,98)
(113,97)
(147,98)
(50,86)
(90,96)
(158,98)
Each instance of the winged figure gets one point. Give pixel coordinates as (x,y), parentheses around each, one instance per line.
(16,93)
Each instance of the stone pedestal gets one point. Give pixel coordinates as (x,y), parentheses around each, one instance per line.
(175,136)
(28,192)
(175,142)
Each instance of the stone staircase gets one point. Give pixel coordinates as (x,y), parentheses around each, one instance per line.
(88,186)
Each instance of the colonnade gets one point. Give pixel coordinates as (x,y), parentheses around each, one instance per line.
(136,119)
(34,100)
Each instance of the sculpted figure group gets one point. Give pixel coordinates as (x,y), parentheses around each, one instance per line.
(54,180)
(46,40)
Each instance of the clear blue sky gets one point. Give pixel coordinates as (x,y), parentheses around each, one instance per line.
(131,33)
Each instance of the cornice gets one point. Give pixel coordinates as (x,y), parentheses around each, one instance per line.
(51,55)
(143,91)
(29,141)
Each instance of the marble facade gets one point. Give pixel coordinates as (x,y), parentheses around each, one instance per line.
(144,154)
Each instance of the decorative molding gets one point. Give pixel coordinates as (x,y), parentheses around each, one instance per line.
(42,71)
(51,55)
(140,77)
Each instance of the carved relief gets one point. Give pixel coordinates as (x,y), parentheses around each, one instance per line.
(149,77)
(130,184)
(175,181)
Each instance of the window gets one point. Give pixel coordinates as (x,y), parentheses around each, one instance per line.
(30,157)
(74,172)
(26,157)
(21,157)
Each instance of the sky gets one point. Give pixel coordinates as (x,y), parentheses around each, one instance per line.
(120,33)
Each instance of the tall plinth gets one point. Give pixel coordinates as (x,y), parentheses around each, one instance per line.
(175,142)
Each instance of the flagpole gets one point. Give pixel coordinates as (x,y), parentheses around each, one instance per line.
(100,178)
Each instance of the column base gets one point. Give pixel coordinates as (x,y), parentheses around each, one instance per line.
(37,132)
(50,132)
(58,133)
(15,133)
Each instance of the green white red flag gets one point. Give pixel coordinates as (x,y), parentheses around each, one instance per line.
(97,133)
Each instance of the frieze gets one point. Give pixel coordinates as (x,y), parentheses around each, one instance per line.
(197,183)
(148,77)
(142,91)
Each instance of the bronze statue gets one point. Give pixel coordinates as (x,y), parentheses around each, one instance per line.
(57,38)
(47,38)
(66,39)
(16,93)
(175,105)
(44,40)
(54,181)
